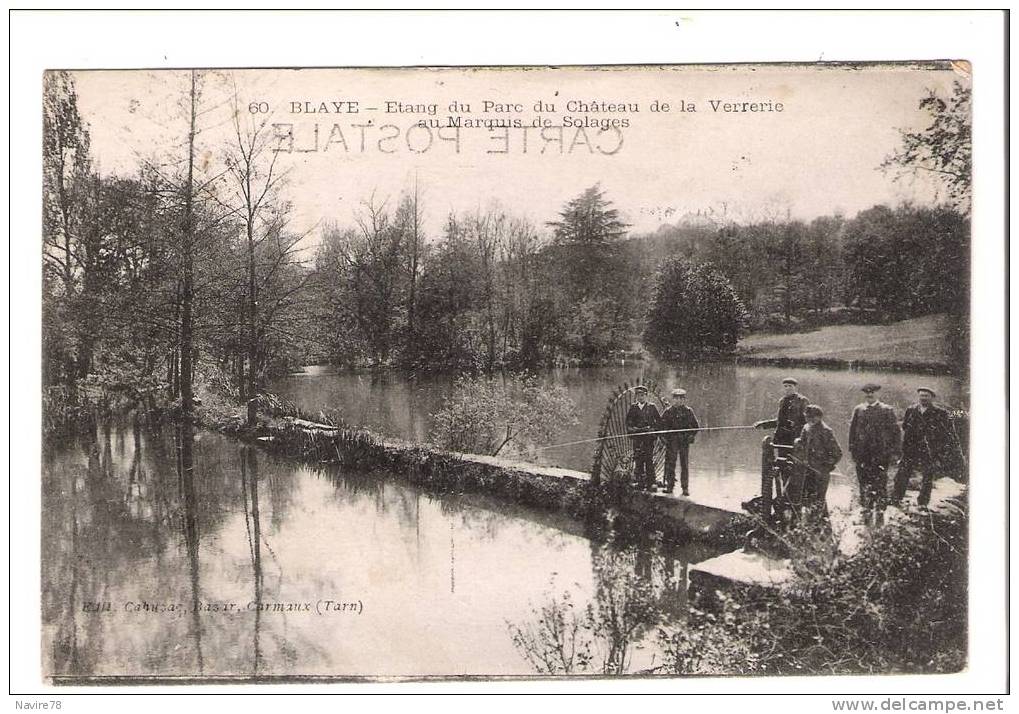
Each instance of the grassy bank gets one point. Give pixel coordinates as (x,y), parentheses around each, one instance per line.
(922,344)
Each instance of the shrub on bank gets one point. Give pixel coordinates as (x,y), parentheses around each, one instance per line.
(487,415)
(898,605)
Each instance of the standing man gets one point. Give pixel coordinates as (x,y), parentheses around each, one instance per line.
(929,445)
(817,451)
(641,418)
(678,416)
(788,426)
(791,418)
(874,441)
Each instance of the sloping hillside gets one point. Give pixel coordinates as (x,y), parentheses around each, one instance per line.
(922,341)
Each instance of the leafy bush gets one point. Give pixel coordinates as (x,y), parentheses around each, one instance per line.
(484,415)
(558,641)
(694,311)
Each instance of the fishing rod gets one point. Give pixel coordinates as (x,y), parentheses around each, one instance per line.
(642,433)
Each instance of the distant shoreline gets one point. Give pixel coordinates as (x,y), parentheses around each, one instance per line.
(933,368)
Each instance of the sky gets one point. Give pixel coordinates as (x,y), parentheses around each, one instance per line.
(818,155)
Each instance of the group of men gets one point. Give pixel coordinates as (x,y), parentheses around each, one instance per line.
(643,421)
(926,443)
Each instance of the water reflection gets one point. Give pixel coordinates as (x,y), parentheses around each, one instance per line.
(185,443)
(252,522)
(639,590)
(173,552)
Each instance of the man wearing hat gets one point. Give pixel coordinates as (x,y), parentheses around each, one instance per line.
(874,441)
(641,418)
(676,417)
(929,445)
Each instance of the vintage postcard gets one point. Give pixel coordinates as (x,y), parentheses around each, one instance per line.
(488,372)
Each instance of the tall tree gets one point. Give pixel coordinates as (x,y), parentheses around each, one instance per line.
(408,221)
(187,296)
(594,298)
(68,193)
(789,251)
(251,162)
(366,264)
(588,219)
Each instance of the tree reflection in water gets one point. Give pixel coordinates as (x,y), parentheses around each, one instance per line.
(189,522)
(125,507)
(252,522)
(637,588)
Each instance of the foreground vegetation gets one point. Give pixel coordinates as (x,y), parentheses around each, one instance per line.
(899,605)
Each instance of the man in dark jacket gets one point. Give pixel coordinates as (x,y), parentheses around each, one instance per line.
(678,416)
(874,441)
(641,418)
(791,419)
(788,426)
(817,451)
(929,445)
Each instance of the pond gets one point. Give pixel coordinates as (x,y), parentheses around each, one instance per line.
(720,394)
(244,565)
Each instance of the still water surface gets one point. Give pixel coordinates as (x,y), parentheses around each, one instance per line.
(209,574)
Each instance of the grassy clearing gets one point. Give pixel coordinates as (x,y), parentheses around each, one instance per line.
(922,341)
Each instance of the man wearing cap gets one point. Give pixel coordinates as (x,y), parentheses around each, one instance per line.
(929,445)
(817,451)
(788,426)
(678,416)
(791,419)
(874,441)
(641,418)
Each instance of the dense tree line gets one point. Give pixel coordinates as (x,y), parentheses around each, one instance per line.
(493,290)
(884,263)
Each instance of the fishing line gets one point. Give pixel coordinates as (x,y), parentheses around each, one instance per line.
(641,433)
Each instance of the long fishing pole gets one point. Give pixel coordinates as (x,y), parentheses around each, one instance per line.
(642,433)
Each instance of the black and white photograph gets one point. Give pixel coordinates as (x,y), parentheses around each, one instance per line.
(507,372)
